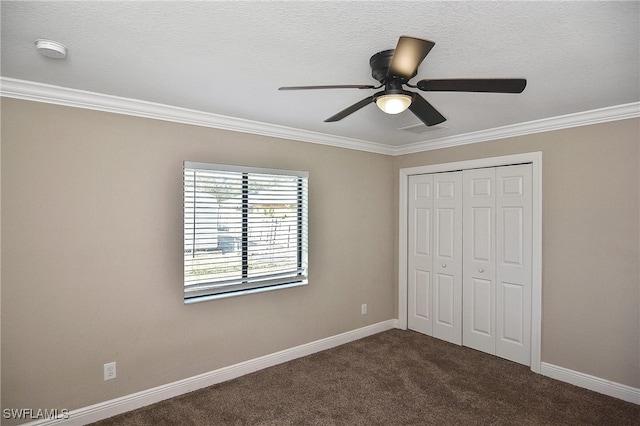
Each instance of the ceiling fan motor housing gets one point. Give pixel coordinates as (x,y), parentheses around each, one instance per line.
(380,63)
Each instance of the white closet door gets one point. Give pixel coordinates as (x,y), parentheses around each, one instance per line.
(470,258)
(513,255)
(447,257)
(479,272)
(420,259)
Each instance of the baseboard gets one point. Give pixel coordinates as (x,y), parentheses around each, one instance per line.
(596,384)
(126,403)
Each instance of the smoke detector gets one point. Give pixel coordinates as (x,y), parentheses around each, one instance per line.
(51,49)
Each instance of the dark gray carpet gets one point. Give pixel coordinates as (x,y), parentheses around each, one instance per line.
(392,378)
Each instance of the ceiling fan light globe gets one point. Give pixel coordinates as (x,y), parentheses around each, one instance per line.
(393,104)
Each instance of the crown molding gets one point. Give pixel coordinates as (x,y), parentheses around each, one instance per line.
(38,92)
(602,115)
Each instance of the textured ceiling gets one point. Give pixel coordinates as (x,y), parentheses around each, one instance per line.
(229,58)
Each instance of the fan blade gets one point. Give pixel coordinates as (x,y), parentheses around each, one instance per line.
(494,85)
(409,54)
(353,108)
(341,86)
(425,111)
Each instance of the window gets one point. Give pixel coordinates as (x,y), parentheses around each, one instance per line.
(245,230)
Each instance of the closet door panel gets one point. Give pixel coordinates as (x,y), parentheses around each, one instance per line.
(421,296)
(420,258)
(513,253)
(481,307)
(478,285)
(511,309)
(480,237)
(445,312)
(447,257)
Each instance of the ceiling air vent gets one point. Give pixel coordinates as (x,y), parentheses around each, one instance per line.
(422,128)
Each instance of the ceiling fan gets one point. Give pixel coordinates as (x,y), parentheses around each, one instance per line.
(395,67)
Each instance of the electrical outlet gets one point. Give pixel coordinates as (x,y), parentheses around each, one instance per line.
(364,309)
(110,370)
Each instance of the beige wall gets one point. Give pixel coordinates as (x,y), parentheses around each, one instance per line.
(590,239)
(91,251)
(92,254)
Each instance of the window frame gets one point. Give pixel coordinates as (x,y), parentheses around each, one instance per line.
(245,284)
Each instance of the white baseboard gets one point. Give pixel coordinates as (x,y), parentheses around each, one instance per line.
(596,384)
(126,403)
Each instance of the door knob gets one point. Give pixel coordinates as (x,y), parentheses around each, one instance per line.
(481,270)
(444,265)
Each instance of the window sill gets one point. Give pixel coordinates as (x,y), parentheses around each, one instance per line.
(199,299)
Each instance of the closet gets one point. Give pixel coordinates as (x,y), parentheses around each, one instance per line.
(469,258)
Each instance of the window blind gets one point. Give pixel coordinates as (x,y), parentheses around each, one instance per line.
(245,229)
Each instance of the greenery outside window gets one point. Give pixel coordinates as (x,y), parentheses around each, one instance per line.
(245,230)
